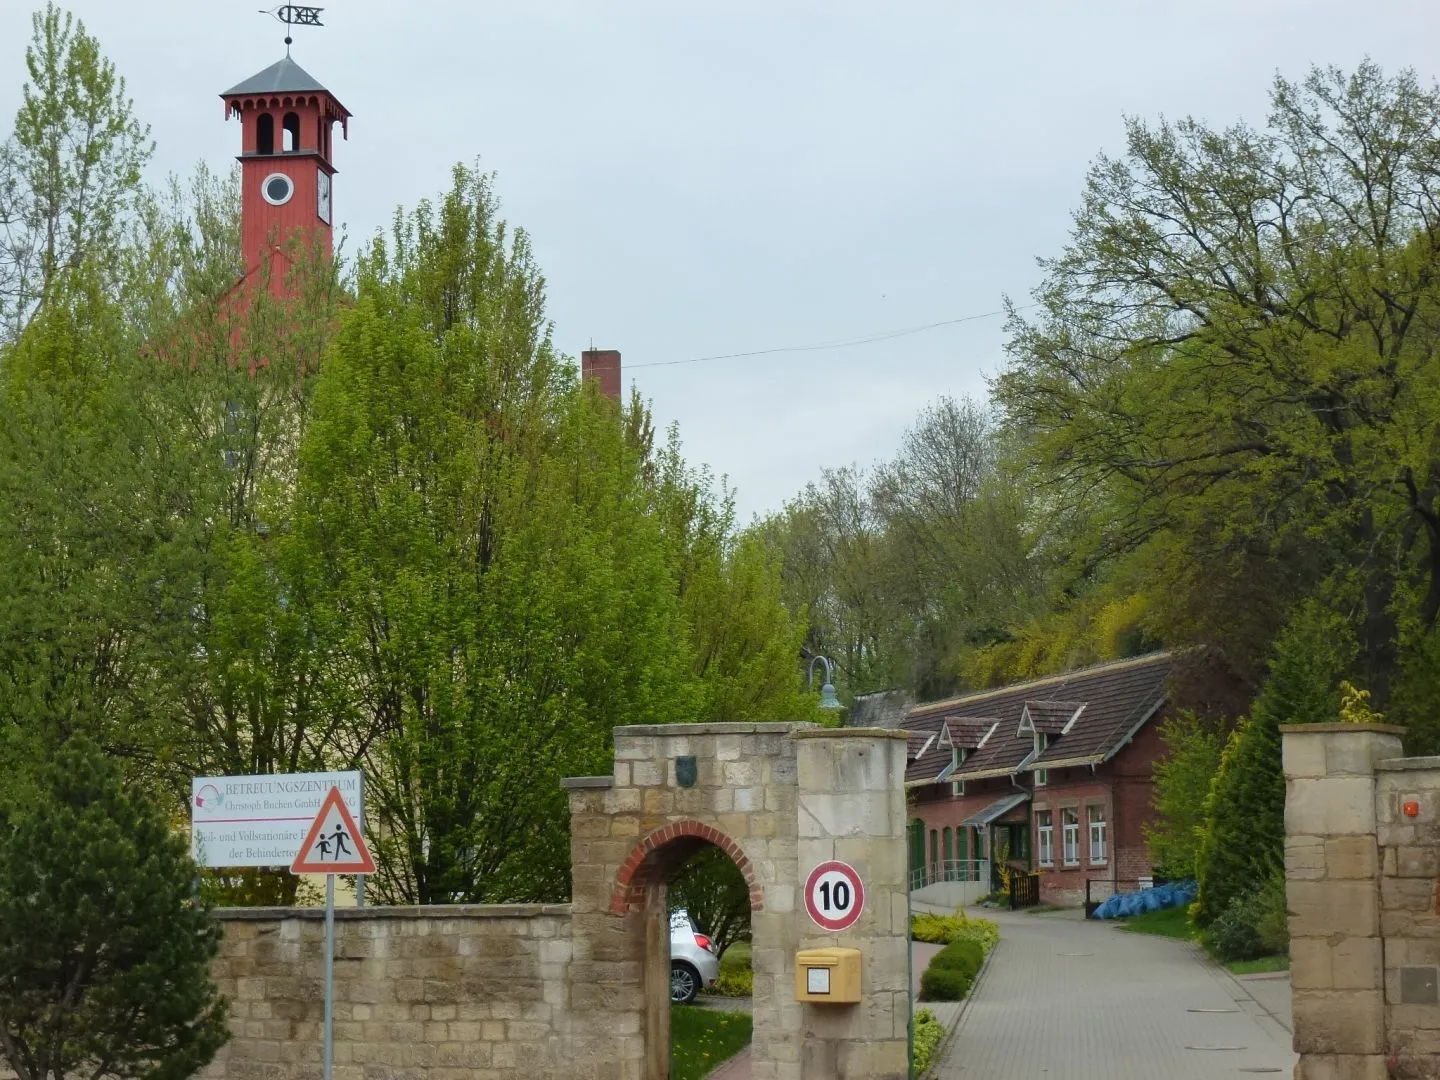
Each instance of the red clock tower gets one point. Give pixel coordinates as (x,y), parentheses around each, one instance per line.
(286,123)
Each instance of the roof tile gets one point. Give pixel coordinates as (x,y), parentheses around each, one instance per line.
(1118,697)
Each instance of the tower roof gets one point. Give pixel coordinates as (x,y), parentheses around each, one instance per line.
(282,77)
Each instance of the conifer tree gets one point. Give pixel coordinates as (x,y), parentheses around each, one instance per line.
(1245,812)
(104,951)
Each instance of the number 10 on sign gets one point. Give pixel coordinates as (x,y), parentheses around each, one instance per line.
(834,895)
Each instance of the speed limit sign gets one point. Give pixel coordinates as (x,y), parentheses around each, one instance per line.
(834,895)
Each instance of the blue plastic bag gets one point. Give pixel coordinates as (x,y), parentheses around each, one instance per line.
(1107,909)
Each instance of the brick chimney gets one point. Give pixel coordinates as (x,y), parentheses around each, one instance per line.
(602,365)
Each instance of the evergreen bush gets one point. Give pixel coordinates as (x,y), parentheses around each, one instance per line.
(1233,935)
(105,950)
(944,984)
(1244,839)
(952,970)
(963,954)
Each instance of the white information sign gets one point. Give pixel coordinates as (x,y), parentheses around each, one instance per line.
(261,820)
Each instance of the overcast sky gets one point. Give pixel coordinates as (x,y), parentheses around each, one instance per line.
(703,178)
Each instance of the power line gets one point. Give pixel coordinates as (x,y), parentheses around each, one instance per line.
(885,335)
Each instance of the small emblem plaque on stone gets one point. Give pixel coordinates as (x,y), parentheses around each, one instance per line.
(685,771)
(1419,986)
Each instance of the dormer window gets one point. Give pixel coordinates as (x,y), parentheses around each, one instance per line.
(957,787)
(1042,743)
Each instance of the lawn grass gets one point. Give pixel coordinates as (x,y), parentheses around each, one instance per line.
(1258,967)
(1167,922)
(702,1039)
(1175,923)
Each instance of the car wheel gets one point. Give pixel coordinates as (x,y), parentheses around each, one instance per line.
(684,983)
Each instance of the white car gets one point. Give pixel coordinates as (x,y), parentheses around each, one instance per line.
(693,963)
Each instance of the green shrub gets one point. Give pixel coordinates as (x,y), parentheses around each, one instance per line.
(952,971)
(1233,935)
(962,954)
(944,984)
(1272,916)
(943,929)
(935,929)
(734,982)
(1254,924)
(982,931)
(928,1033)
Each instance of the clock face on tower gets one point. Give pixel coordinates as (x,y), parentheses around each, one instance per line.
(322,195)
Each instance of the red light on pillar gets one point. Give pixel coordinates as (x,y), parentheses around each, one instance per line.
(1411,808)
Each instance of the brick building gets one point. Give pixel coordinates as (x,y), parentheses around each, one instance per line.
(1051,775)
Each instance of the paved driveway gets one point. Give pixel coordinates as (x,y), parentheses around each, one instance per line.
(1079,1000)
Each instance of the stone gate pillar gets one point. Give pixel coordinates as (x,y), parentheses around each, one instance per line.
(851,807)
(778,799)
(1333,888)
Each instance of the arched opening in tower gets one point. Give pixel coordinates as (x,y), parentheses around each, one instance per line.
(291,138)
(265,134)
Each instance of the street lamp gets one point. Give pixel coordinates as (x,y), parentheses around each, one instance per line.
(828,700)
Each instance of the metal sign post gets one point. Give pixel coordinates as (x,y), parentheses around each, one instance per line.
(329,976)
(333,845)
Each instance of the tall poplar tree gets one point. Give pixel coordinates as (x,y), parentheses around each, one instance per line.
(496,591)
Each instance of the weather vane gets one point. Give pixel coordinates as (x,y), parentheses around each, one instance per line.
(294,15)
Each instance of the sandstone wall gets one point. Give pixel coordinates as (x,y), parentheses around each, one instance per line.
(1407,809)
(581,990)
(450,993)
(1362,859)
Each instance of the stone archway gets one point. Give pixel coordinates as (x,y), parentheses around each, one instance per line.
(641,887)
(656,856)
(779,799)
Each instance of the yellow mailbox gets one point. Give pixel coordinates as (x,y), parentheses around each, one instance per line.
(828,975)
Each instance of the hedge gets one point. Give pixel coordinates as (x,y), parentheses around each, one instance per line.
(943,929)
(928,1033)
(944,984)
(952,971)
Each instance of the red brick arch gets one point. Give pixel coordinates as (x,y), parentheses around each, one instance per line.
(658,855)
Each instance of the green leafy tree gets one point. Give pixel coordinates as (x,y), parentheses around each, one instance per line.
(494,593)
(744,641)
(908,569)
(1183,779)
(148,472)
(208,572)
(1244,839)
(69,175)
(104,951)
(1232,372)
(711,888)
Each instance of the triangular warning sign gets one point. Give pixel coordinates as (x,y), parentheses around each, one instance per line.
(334,844)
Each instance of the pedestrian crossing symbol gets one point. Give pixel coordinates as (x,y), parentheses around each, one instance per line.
(334,844)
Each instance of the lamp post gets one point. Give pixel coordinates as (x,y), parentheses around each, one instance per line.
(828,700)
